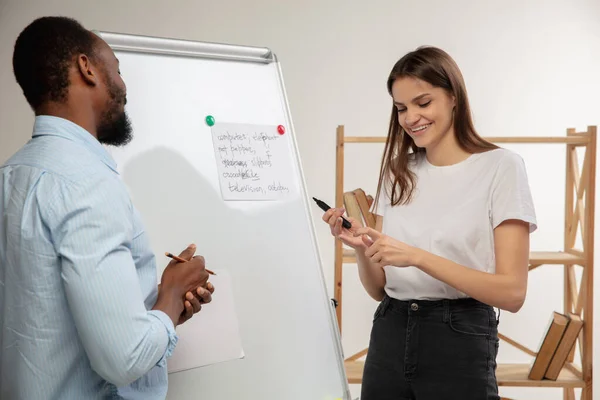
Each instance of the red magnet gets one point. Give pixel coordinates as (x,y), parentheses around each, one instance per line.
(281,129)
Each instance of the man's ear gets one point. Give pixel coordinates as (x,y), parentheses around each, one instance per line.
(87,70)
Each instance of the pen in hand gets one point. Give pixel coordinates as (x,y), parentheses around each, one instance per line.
(179,259)
(323,206)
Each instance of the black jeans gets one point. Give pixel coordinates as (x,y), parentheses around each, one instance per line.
(432,350)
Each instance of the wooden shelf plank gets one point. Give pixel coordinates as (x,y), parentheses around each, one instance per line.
(581,140)
(578,140)
(554,257)
(354,371)
(348,256)
(535,258)
(365,139)
(514,375)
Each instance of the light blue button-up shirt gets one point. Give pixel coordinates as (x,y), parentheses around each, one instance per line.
(77,276)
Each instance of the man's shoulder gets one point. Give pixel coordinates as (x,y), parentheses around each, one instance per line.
(46,164)
(64,159)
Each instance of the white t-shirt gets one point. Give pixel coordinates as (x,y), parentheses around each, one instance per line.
(452,214)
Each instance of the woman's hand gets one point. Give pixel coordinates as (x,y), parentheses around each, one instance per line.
(385,250)
(333,217)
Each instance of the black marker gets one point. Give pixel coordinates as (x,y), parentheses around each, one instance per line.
(345,223)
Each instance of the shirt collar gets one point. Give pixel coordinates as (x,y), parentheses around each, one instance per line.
(47,125)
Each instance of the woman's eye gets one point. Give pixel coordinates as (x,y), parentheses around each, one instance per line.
(425,104)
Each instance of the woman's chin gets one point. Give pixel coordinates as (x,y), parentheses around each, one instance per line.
(421,141)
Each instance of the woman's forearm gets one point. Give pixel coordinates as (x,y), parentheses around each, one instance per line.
(503,291)
(371,277)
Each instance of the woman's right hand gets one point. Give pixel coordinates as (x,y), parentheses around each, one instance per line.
(333,217)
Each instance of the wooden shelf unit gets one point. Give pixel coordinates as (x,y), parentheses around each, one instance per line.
(514,375)
(579,217)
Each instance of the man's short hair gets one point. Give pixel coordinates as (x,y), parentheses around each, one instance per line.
(42,55)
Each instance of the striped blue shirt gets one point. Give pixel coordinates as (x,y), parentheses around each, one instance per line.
(77,276)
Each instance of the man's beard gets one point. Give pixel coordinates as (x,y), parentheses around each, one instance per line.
(115,131)
(115,127)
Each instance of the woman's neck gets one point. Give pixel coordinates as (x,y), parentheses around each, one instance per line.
(446,152)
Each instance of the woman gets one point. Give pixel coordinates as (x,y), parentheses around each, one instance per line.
(457,213)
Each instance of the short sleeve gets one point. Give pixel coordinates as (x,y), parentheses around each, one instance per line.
(511,195)
(382,200)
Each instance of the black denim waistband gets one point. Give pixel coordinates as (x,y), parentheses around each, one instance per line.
(444,306)
(435,304)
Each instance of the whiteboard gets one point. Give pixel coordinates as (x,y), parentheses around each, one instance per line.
(267,245)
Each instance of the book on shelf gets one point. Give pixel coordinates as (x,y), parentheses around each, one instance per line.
(556,328)
(364,203)
(559,339)
(352,207)
(565,346)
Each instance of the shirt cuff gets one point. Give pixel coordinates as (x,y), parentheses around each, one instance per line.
(172,335)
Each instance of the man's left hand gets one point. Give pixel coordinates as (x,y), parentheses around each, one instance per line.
(193,302)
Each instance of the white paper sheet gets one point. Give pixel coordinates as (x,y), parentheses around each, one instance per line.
(212,335)
(253,162)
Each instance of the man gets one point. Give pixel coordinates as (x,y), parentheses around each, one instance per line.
(82,316)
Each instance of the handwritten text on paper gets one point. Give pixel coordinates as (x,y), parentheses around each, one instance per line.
(253,162)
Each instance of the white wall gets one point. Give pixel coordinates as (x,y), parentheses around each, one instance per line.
(529,71)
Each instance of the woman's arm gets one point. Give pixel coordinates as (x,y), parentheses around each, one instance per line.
(506,289)
(371,276)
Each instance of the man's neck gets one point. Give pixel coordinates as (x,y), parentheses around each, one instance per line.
(78,117)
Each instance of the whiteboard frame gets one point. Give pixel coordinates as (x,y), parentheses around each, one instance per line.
(239,53)
(187,48)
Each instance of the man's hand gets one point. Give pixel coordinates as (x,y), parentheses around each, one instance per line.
(177,280)
(194,301)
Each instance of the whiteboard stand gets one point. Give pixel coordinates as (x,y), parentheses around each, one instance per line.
(268,245)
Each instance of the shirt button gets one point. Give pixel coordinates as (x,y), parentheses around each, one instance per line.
(414,306)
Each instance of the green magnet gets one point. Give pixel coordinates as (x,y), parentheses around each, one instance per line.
(210,120)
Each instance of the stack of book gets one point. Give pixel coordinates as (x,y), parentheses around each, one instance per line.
(556,346)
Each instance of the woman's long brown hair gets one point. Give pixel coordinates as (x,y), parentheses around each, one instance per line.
(436,67)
